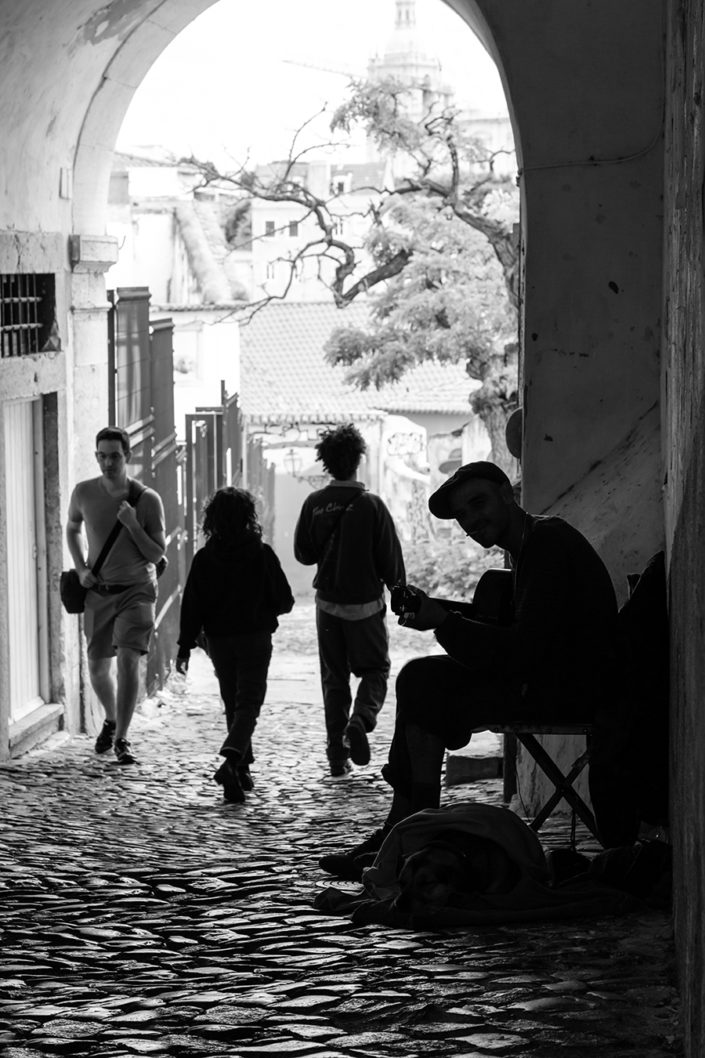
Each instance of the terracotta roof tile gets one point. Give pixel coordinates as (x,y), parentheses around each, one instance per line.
(284,374)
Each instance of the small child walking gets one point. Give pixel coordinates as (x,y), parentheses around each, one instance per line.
(234,592)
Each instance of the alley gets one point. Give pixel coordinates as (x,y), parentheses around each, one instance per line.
(141,915)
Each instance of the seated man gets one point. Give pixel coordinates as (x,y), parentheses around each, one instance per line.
(553,661)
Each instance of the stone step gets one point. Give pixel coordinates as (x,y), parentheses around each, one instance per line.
(482,758)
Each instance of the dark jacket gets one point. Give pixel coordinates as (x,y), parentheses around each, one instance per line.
(230,590)
(366,554)
(564,628)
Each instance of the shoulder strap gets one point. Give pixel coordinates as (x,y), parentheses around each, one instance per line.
(134,491)
(105,550)
(328,546)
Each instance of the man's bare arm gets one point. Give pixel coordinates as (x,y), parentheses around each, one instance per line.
(152,544)
(74,540)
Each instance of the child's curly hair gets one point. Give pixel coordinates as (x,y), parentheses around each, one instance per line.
(229,515)
(340,450)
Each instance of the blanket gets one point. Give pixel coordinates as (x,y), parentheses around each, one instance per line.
(532,895)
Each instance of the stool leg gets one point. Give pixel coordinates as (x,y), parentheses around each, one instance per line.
(509,767)
(562,783)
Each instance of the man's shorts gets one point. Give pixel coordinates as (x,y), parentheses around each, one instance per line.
(122,620)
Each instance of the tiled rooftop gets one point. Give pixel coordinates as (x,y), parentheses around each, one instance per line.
(285,375)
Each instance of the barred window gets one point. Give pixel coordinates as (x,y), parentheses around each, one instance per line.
(27,315)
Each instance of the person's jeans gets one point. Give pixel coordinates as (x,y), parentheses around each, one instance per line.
(439,696)
(345,647)
(241,664)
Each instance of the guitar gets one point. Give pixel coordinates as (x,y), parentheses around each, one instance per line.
(493,601)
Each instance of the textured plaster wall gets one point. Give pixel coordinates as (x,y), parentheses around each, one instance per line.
(684,387)
(68,69)
(585,87)
(30,378)
(78,63)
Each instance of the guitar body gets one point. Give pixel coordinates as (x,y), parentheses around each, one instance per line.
(493,601)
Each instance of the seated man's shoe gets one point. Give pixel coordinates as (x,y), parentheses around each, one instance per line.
(246,781)
(105,738)
(355,737)
(340,768)
(227,777)
(122,752)
(350,865)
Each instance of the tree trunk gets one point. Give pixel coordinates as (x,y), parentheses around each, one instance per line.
(495,401)
(495,419)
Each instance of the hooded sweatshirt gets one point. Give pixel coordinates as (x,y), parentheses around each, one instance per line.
(233,589)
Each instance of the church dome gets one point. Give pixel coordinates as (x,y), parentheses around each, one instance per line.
(404,57)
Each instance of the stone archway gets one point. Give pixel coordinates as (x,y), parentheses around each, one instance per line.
(586,110)
(586,87)
(587,113)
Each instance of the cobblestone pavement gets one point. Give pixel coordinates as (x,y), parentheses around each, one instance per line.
(141,915)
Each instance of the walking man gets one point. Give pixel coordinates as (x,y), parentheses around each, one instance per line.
(349,533)
(120,603)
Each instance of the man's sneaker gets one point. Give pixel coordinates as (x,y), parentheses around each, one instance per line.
(104,740)
(227,777)
(122,751)
(340,768)
(349,865)
(355,737)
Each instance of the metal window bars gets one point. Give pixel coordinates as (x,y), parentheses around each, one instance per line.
(26,312)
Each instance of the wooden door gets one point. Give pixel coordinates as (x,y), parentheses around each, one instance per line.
(26,557)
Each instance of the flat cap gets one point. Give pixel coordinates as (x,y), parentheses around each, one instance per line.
(438,502)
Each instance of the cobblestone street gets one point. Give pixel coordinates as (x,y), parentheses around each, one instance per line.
(141,915)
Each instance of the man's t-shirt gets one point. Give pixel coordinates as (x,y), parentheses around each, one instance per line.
(125,563)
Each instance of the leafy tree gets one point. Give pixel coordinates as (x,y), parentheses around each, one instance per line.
(451,222)
(439,263)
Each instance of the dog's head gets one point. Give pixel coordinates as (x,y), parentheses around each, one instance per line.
(433,876)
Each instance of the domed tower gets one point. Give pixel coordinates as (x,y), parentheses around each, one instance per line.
(405,60)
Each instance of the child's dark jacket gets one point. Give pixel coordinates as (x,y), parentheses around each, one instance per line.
(232,590)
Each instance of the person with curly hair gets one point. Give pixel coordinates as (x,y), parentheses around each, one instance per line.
(234,593)
(349,534)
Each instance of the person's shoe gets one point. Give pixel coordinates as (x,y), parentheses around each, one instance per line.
(122,752)
(105,738)
(355,737)
(350,865)
(227,777)
(246,781)
(340,768)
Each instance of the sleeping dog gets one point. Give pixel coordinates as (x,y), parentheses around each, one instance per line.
(451,867)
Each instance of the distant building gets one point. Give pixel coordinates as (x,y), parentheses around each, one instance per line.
(405,59)
(281,230)
(172,237)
